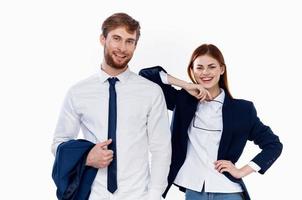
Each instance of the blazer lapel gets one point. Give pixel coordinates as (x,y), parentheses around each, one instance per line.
(190,108)
(227,121)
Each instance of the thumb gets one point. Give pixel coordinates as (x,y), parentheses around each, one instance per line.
(105,143)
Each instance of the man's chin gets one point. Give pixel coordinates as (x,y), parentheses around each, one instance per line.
(115,63)
(119,66)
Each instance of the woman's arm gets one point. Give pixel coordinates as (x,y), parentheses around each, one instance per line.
(268,142)
(195,90)
(227,166)
(170,93)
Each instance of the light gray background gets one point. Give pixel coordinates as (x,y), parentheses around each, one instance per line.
(47,46)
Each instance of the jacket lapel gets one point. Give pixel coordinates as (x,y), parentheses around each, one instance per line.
(191,107)
(227,121)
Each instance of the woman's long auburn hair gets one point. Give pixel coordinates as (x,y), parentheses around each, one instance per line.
(214,52)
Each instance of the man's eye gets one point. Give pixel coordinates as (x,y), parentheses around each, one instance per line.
(130,42)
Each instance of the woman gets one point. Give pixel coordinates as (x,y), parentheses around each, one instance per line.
(210,129)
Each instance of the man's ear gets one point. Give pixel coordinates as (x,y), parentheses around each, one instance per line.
(102,39)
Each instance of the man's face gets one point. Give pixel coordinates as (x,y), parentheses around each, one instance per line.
(119,46)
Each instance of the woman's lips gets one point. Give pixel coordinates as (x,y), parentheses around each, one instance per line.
(206,79)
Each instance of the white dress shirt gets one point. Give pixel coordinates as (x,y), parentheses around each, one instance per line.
(204,134)
(142,128)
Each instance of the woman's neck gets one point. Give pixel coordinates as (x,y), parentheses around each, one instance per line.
(214,91)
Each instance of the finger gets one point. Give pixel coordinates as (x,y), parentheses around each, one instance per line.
(108,153)
(200,91)
(224,170)
(222,166)
(203,98)
(107,161)
(105,143)
(219,166)
(107,158)
(209,96)
(195,93)
(218,163)
(103,164)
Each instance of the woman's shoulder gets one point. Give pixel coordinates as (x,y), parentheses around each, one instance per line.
(242,103)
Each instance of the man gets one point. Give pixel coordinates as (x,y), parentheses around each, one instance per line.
(125,115)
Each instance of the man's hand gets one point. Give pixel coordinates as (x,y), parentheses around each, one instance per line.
(99,156)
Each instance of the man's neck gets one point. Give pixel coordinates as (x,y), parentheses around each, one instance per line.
(112,71)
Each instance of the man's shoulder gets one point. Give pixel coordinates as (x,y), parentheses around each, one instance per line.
(85,82)
(141,81)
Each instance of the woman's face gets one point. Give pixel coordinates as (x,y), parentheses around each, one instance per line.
(207,71)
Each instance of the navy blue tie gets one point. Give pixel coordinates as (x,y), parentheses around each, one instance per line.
(112,168)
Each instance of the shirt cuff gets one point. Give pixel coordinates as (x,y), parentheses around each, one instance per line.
(254,166)
(163,77)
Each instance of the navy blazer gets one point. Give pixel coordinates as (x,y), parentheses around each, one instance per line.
(240,124)
(70,173)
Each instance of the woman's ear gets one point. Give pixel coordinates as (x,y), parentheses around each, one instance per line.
(222,70)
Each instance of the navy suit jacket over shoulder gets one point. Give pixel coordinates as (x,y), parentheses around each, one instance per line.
(240,124)
(70,174)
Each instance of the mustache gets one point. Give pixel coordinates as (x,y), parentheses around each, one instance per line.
(121,53)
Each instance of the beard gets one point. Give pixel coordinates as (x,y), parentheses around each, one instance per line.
(110,61)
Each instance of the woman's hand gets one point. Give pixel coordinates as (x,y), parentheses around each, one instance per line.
(198,91)
(227,166)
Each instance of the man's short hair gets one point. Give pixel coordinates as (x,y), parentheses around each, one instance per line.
(121,20)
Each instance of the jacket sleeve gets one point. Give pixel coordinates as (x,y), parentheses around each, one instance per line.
(69,167)
(269,143)
(170,92)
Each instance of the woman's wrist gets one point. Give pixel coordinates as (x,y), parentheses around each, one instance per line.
(187,85)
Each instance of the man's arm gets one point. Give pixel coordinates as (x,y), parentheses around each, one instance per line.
(68,125)
(159,144)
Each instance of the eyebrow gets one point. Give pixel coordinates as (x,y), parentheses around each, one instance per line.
(115,35)
(211,64)
(130,39)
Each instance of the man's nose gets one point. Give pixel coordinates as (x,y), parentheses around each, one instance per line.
(122,46)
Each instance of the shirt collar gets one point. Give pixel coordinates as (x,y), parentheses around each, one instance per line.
(122,77)
(220,97)
(215,104)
